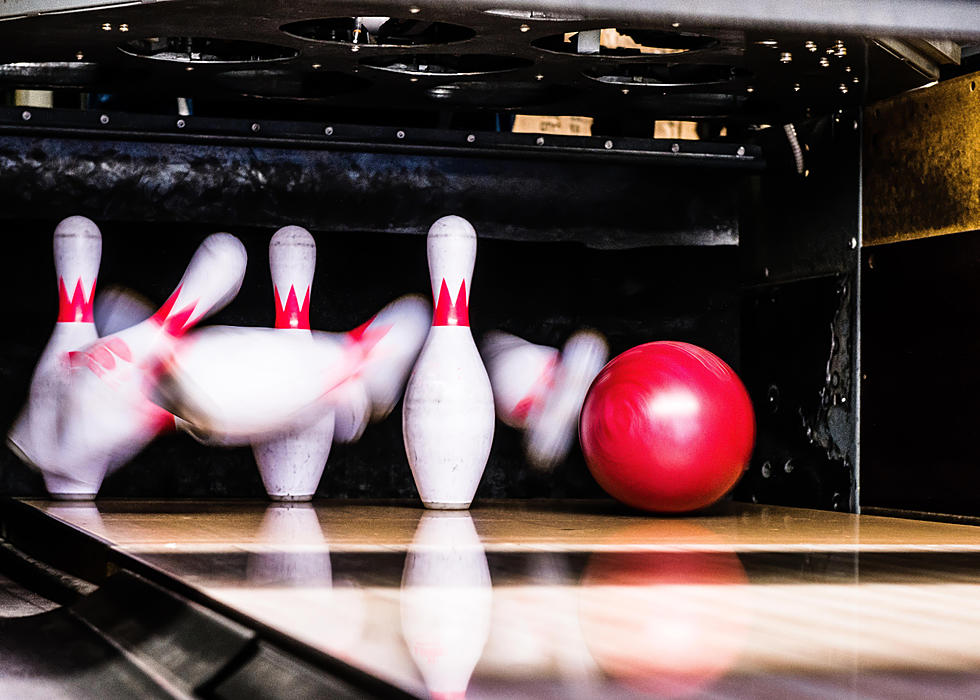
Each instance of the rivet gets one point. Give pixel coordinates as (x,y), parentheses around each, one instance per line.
(25,115)
(853,243)
(766,470)
(328,131)
(124,27)
(607,145)
(106,27)
(181,123)
(741,151)
(399,134)
(470,138)
(785,57)
(104,119)
(525,27)
(256,127)
(539,140)
(414,10)
(675,148)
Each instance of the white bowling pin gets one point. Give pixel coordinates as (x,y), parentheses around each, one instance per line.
(521,373)
(106,418)
(77,254)
(388,346)
(448,417)
(446,602)
(291,464)
(552,423)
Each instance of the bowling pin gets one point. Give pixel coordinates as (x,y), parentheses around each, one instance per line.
(448,416)
(237,385)
(541,391)
(291,464)
(446,602)
(77,254)
(106,417)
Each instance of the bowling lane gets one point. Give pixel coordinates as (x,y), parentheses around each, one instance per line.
(559,599)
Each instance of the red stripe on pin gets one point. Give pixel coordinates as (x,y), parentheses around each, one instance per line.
(449,313)
(292,314)
(74,309)
(174,323)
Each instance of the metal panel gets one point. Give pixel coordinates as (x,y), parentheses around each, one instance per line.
(922,163)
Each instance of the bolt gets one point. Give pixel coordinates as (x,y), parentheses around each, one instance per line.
(470,138)
(256,127)
(740,152)
(399,134)
(181,123)
(675,148)
(607,145)
(328,131)
(104,119)
(539,140)
(25,115)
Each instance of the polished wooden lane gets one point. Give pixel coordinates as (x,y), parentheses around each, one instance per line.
(557,599)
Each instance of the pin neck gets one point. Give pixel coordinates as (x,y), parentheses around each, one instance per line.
(292,314)
(176,323)
(449,312)
(75,309)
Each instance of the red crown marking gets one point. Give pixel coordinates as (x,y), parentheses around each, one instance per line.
(448,313)
(76,309)
(175,324)
(365,337)
(292,314)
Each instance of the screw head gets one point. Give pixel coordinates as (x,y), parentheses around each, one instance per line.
(607,145)
(539,140)
(25,115)
(328,131)
(181,123)
(255,127)
(399,134)
(740,152)
(470,138)
(104,119)
(675,148)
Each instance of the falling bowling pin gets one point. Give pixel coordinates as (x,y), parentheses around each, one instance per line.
(106,417)
(77,254)
(291,464)
(448,416)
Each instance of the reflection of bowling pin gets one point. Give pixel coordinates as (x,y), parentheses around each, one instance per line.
(447,420)
(541,392)
(294,550)
(291,464)
(106,418)
(446,602)
(77,253)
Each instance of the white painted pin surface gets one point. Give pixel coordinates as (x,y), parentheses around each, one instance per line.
(448,416)
(292,464)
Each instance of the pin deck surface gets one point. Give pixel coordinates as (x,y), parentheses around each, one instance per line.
(769,599)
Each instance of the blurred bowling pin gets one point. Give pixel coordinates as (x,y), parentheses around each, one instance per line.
(291,464)
(447,420)
(236,385)
(540,391)
(106,418)
(446,602)
(77,254)
(118,308)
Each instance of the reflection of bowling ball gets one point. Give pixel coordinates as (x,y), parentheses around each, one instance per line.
(667,427)
(667,623)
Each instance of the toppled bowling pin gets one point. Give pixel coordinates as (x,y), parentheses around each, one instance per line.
(541,391)
(242,385)
(291,464)
(106,418)
(446,601)
(448,418)
(77,254)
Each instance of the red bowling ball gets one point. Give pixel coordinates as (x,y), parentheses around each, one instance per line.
(667,427)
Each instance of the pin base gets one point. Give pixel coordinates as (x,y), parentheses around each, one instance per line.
(436,505)
(290,498)
(72,496)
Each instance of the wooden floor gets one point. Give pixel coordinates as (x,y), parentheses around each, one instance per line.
(582,600)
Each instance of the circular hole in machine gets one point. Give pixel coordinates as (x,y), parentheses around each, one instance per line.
(446,65)
(183,49)
(496,95)
(292,85)
(378,31)
(667,76)
(612,42)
